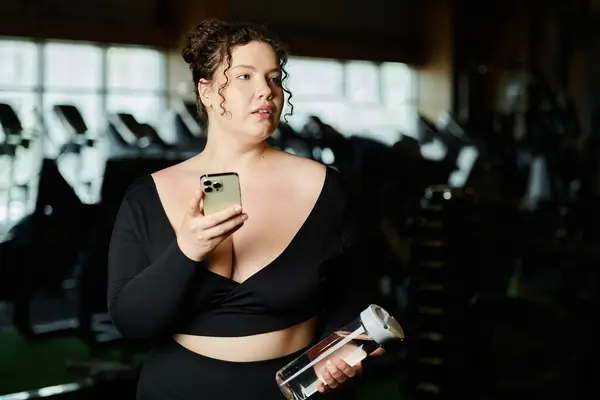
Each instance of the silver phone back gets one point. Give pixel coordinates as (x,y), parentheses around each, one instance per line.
(221,191)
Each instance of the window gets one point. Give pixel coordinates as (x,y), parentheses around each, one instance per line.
(355,97)
(72,76)
(72,66)
(315,78)
(19,66)
(37,75)
(134,69)
(398,84)
(362,82)
(136,84)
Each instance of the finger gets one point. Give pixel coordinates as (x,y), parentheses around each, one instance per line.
(329,380)
(345,368)
(220,217)
(194,208)
(325,377)
(321,384)
(226,228)
(335,375)
(378,352)
(321,387)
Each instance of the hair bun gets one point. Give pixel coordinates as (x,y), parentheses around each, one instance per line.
(197,39)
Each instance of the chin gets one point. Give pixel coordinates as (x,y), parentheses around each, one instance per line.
(261,134)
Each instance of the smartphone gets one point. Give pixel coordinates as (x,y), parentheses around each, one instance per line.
(221,191)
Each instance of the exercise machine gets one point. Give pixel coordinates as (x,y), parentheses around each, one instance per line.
(13,141)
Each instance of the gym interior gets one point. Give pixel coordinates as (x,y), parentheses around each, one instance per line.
(468,128)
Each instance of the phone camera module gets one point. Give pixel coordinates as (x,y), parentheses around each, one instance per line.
(218,185)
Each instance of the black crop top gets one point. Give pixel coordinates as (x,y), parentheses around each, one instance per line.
(154,289)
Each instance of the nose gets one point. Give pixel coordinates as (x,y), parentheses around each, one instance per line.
(264,90)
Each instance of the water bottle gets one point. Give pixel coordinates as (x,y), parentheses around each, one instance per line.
(352,343)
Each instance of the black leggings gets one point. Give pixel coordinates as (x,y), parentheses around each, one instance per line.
(172,372)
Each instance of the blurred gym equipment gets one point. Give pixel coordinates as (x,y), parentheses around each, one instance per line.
(190,130)
(12,142)
(76,144)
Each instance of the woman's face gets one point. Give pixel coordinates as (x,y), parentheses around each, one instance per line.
(253,96)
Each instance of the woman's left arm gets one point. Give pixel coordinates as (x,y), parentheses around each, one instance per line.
(352,285)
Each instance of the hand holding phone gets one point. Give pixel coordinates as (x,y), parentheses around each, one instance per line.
(200,231)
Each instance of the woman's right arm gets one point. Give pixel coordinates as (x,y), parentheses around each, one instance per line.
(143,297)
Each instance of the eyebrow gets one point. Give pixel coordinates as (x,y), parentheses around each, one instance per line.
(277,69)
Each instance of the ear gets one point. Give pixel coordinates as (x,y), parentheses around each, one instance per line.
(204,92)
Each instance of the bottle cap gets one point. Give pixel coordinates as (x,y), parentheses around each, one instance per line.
(380,325)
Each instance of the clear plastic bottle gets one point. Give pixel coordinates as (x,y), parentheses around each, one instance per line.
(352,343)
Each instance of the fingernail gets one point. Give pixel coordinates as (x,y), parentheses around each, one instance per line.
(244,217)
(329,364)
(321,379)
(237,209)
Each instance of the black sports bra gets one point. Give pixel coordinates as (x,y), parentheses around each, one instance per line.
(154,289)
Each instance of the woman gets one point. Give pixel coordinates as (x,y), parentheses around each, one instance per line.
(231,297)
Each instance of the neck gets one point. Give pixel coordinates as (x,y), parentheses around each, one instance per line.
(224,153)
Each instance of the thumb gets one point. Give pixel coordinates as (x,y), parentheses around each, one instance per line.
(378,352)
(194,207)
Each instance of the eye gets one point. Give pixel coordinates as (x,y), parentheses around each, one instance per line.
(276,79)
(244,77)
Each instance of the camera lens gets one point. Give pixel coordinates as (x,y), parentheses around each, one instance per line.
(217,185)
(208,189)
(207,183)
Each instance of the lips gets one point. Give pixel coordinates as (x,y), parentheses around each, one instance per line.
(263,110)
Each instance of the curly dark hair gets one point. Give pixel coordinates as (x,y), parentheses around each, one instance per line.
(210,43)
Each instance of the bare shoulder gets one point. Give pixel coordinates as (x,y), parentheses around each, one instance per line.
(301,170)
(172,173)
(298,181)
(173,179)
(175,186)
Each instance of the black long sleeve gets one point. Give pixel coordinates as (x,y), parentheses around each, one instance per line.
(144,297)
(352,281)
